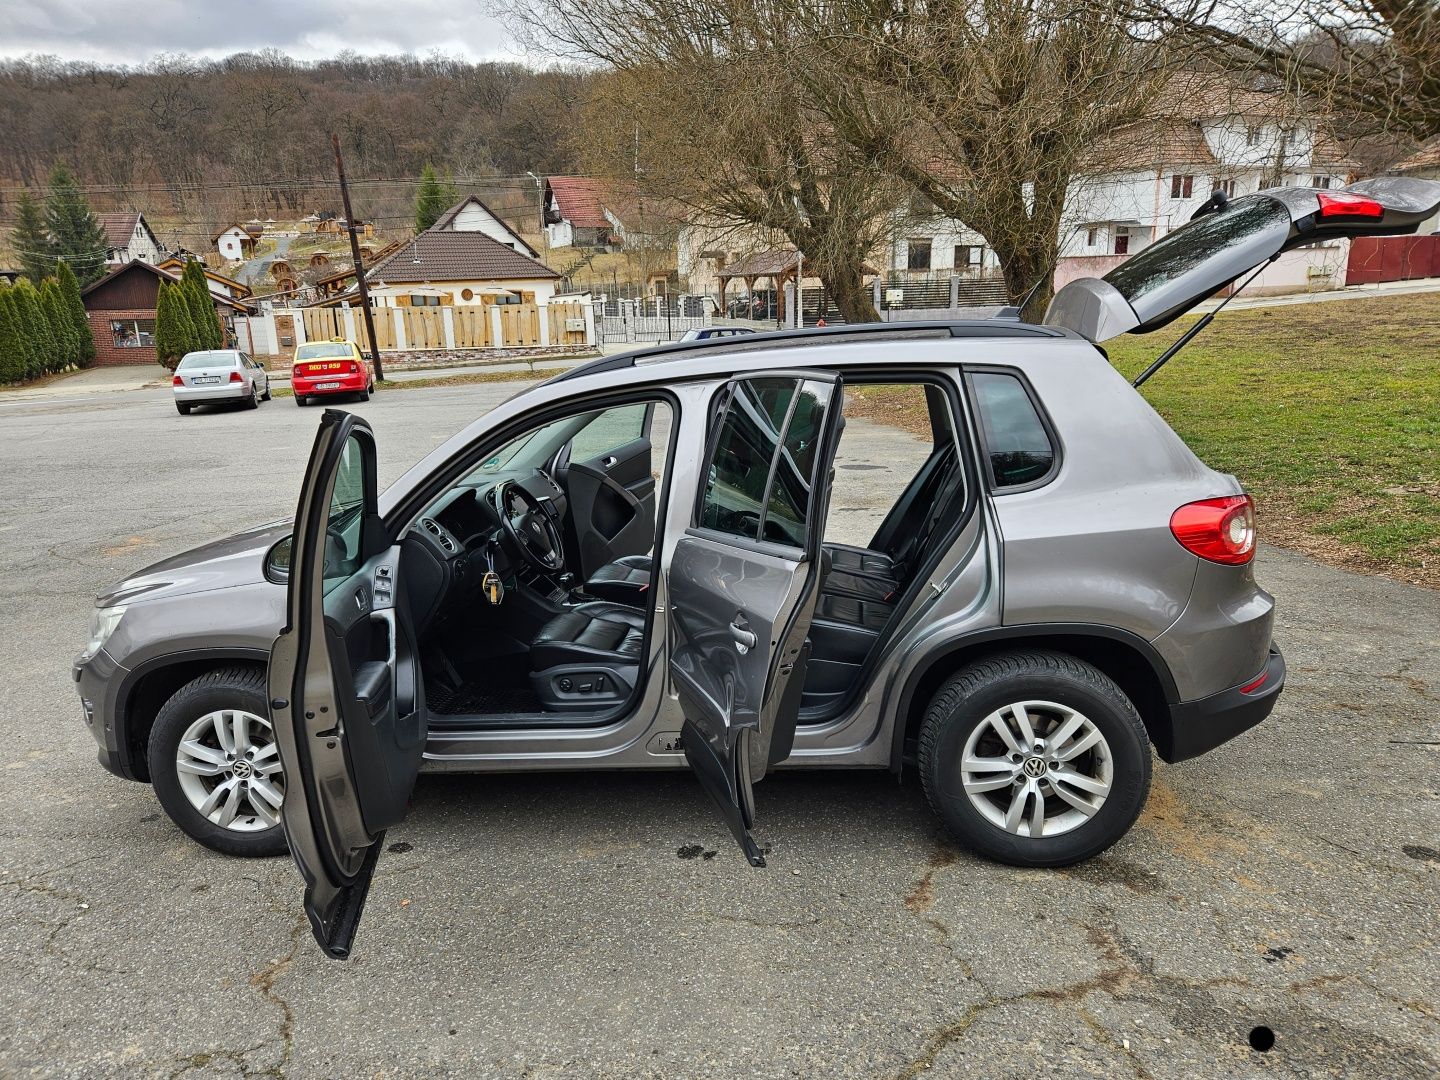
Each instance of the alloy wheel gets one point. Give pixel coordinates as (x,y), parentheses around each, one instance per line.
(1037,768)
(229,768)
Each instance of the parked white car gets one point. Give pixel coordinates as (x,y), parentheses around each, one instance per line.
(217,376)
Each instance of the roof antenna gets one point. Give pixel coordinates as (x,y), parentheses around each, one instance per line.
(1013,311)
(1204,321)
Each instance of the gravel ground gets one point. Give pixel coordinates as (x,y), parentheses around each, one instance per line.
(605,925)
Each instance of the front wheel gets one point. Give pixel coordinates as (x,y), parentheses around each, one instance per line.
(1034,759)
(215,765)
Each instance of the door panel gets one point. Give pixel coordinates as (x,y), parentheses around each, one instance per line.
(743,584)
(612,504)
(345,699)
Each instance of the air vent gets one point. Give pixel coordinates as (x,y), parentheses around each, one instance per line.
(445,540)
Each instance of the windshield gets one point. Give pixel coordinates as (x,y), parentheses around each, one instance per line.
(323,350)
(220,358)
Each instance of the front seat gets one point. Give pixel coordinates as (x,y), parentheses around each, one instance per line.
(587,657)
(623,581)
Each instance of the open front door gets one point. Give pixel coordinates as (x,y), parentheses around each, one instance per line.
(345,700)
(744,579)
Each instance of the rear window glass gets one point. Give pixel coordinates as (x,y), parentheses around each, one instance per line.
(323,350)
(207,359)
(1196,243)
(1019,447)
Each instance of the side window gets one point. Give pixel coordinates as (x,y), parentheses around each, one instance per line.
(1019,446)
(610,430)
(789,504)
(347,510)
(744,452)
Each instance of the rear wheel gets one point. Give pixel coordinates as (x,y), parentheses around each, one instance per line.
(300,400)
(253,401)
(1034,759)
(215,764)
(184,410)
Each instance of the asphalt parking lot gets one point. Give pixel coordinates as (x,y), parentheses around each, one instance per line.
(606,925)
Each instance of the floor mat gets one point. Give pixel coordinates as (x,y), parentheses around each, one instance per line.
(484,697)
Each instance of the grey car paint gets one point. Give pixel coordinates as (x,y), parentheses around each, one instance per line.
(217,601)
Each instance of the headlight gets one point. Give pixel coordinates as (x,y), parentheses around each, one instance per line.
(102,625)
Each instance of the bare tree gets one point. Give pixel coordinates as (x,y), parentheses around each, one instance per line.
(702,109)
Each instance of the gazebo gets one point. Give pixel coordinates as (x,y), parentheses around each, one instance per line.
(779,266)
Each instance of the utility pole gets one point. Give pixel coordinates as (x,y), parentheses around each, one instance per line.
(359,265)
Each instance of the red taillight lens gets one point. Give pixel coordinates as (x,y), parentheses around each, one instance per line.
(1221,530)
(354,368)
(1341,205)
(177,381)
(235,376)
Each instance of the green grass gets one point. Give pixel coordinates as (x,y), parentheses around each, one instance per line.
(1329,413)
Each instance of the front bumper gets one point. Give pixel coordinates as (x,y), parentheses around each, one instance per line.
(1201,725)
(96,680)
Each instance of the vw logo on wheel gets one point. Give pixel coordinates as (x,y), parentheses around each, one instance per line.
(241,769)
(1034,767)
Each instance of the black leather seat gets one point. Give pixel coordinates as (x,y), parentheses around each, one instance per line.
(624,581)
(596,632)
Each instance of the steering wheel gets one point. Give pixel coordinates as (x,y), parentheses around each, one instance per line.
(532,531)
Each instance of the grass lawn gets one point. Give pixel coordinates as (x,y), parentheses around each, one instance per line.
(1329,414)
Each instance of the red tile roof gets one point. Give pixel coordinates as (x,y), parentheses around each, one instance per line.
(581,200)
(457,256)
(119,227)
(1427,157)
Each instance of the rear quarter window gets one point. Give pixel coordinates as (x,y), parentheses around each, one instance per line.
(1018,446)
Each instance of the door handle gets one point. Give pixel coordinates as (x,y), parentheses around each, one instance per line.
(609,462)
(745,638)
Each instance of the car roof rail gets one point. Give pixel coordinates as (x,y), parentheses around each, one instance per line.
(815,335)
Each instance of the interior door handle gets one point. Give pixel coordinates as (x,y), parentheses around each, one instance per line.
(745,638)
(609,462)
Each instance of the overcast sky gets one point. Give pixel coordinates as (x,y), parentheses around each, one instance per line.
(132,31)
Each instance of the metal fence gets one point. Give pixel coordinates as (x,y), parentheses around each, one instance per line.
(656,318)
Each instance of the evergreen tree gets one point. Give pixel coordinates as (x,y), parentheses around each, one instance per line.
(61,328)
(174,330)
(36,329)
(75,312)
(12,353)
(201,306)
(30,240)
(432,198)
(77,236)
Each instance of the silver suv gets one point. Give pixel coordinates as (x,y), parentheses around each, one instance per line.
(1059,587)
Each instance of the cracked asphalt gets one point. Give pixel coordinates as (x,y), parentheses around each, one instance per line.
(604,925)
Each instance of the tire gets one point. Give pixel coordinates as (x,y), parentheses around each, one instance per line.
(364,395)
(300,400)
(184,410)
(1052,689)
(253,401)
(266,396)
(231,690)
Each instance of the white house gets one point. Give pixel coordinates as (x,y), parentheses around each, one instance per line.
(445,266)
(128,237)
(234,243)
(472,215)
(1424,164)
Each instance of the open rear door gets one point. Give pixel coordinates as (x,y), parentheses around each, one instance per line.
(744,579)
(345,700)
(1227,239)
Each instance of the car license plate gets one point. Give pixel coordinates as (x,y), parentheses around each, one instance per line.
(327,386)
(205,380)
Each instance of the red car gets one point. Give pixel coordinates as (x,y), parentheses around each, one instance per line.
(322,368)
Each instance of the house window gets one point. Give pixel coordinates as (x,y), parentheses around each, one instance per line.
(1122,243)
(968,255)
(133,333)
(917,255)
(1320,181)
(1228,187)
(421,300)
(1182,187)
(1090,237)
(1252,135)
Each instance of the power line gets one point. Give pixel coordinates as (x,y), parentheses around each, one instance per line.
(516,181)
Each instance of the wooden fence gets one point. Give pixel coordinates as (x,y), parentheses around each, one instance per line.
(462,326)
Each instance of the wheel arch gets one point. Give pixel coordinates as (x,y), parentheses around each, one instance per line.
(1126,658)
(147,687)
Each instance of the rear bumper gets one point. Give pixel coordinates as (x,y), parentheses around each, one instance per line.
(335,384)
(198,395)
(1201,725)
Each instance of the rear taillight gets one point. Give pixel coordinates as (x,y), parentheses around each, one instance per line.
(177,381)
(354,368)
(1344,206)
(235,376)
(1221,530)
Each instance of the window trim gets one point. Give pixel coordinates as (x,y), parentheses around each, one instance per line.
(985,436)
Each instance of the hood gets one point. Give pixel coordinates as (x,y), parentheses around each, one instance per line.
(220,564)
(1226,239)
